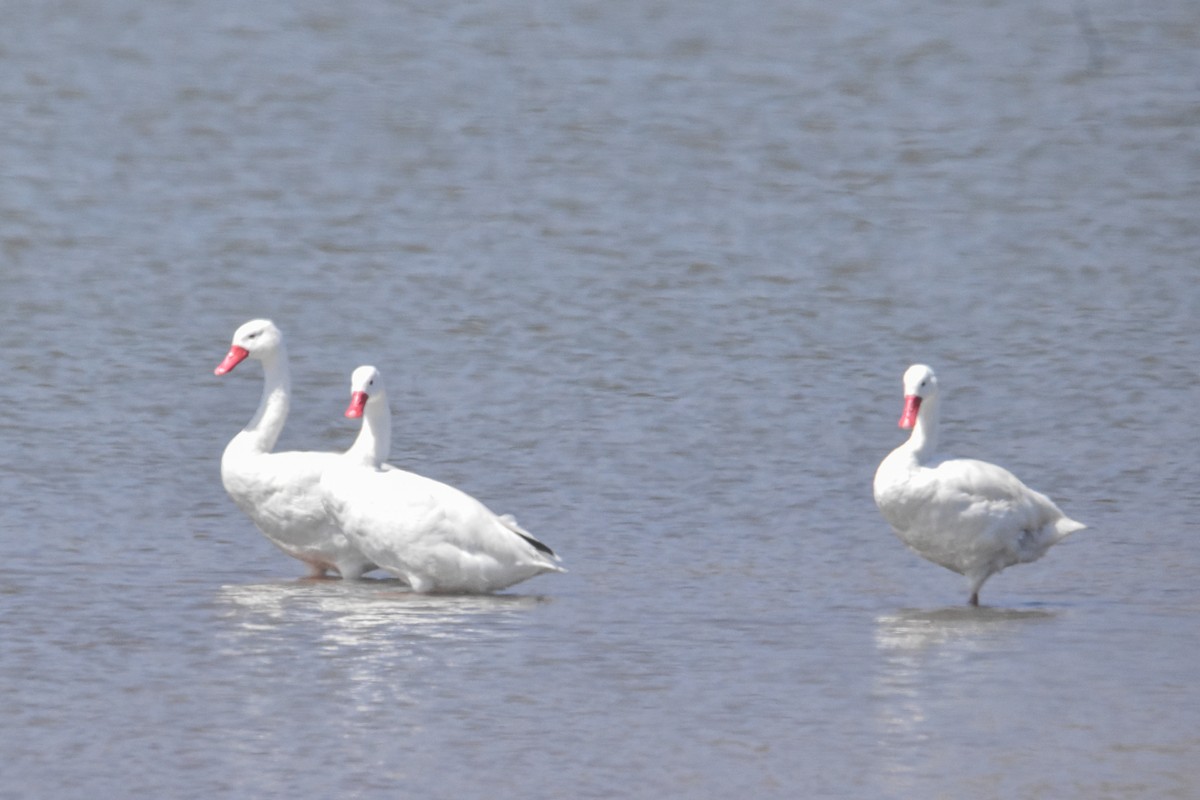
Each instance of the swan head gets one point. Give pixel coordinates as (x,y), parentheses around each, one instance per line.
(920,385)
(365,382)
(254,339)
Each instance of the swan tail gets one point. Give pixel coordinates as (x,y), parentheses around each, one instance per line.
(1065,526)
(510,522)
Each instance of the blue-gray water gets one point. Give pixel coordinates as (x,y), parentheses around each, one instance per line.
(646,275)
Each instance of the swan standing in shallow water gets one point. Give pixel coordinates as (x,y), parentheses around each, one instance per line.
(280,491)
(969,516)
(433,536)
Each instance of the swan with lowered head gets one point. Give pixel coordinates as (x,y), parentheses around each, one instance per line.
(280,491)
(969,516)
(433,536)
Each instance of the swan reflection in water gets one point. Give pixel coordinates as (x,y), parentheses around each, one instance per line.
(361,606)
(935,670)
(366,630)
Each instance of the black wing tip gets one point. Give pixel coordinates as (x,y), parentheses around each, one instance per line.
(536,544)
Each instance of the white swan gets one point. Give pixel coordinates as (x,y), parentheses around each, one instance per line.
(280,491)
(433,536)
(969,516)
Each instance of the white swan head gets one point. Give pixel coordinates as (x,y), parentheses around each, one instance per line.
(365,383)
(257,338)
(920,385)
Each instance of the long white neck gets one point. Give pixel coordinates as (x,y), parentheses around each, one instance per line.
(923,441)
(374,442)
(263,430)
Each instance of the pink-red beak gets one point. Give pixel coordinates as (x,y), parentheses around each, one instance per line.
(912,404)
(358,401)
(234,357)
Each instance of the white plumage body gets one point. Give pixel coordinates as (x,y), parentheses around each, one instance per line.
(433,536)
(969,516)
(280,492)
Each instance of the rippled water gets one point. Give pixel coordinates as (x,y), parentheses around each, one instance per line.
(645,275)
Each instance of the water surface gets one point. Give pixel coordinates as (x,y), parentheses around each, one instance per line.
(645,275)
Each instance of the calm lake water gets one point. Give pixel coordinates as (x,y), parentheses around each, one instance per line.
(645,275)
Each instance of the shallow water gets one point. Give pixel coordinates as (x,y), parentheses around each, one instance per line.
(646,276)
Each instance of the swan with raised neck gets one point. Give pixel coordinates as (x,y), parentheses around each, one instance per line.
(970,516)
(432,536)
(280,492)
